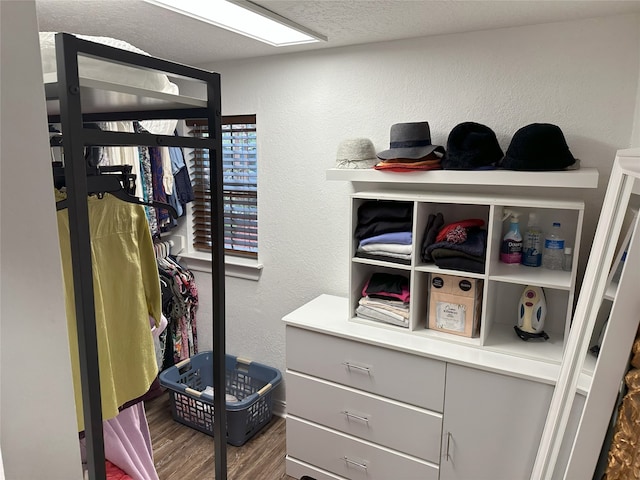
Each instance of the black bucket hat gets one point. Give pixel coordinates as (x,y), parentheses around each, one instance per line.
(538,146)
(471,146)
(410,140)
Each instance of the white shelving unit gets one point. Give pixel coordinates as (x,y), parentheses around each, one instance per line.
(346,376)
(502,284)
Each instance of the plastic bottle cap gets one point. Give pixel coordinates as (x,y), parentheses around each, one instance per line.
(567,250)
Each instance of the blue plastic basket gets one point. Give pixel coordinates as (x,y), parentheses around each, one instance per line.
(250,382)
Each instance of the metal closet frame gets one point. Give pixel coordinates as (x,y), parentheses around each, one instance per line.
(68,91)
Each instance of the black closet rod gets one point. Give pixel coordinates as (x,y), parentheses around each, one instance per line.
(94,137)
(163,114)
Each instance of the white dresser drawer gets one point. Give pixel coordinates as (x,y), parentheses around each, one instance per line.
(389,423)
(298,469)
(349,457)
(401,376)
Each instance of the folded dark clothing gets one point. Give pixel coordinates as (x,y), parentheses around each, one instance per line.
(438,253)
(434,224)
(375,210)
(460,263)
(475,245)
(387,285)
(380,227)
(384,258)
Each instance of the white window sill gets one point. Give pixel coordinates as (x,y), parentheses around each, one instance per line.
(247,268)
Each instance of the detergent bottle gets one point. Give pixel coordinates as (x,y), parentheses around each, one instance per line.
(511,248)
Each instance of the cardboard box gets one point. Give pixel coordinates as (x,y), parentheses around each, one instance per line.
(455,304)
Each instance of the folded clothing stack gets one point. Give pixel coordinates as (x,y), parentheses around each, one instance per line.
(383,231)
(459,245)
(428,162)
(385,298)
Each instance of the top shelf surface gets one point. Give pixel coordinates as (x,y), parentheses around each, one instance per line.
(100,96)
(581,178)
(328,314)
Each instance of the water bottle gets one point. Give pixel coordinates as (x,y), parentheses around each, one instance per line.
(553,254)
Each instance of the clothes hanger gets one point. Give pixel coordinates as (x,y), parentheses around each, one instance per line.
(109,183)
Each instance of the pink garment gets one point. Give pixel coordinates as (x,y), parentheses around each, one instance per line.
(157,330)
(127,443)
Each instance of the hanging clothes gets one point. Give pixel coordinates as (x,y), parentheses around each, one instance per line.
(147,189)
(164,177)
(179,305)
(122,155)
(126,293)
(157,177)
(182,181)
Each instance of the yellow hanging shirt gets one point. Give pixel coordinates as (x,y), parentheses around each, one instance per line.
(126,292)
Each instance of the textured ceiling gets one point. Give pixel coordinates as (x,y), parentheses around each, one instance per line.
(345,22)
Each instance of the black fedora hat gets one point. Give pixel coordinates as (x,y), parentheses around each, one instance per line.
(538,146)
(410,140)
(470,146)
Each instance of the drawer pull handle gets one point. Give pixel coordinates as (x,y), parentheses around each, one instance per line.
(357,367)
(353,462)
(350,415)
(447,456)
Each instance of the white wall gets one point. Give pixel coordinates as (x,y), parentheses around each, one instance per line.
(37,415)
(582,76)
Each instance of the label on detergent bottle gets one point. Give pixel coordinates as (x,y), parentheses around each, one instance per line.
(532,257)
(511,251)
(532,251)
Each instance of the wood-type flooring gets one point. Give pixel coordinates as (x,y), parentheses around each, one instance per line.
(182,453)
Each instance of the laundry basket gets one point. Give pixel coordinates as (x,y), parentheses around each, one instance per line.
(251,383)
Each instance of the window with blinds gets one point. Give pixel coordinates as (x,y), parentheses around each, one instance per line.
(240,184)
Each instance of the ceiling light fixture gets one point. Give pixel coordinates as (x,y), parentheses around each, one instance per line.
(246,18)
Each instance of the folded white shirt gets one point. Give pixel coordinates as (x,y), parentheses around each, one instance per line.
(386,247)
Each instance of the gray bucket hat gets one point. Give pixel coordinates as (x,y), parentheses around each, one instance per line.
(356,153)
(410,140)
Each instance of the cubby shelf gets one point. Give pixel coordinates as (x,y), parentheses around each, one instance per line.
(502,284)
